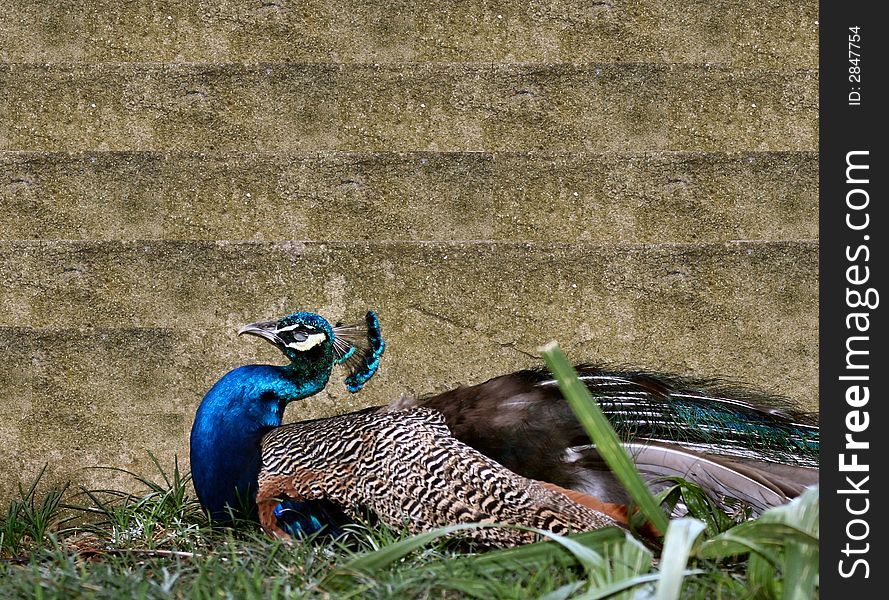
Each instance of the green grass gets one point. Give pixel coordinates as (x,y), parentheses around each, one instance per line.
(65,543)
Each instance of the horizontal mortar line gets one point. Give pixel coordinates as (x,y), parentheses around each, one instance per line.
(408,153)
(394,66)
(531,154)
(87,330)
(397,242)
(20,417)
(475,65)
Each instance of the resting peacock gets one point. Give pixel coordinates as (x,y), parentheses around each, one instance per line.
(506,451)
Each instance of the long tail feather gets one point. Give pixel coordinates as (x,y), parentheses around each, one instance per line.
(721,478)
(735,443)
(759,485)
(704,416)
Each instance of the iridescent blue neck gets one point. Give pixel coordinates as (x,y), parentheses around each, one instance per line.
(230,423)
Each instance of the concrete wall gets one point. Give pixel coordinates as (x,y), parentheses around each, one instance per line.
(636,180)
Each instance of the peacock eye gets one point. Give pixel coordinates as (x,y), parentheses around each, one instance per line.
(300,336)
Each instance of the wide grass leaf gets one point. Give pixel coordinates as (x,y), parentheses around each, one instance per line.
(783,548)
(681,536)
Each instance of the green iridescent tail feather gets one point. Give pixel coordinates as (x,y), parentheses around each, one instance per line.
(704,416)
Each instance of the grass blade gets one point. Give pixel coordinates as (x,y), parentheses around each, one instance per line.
(532,555)
(564,592)
(783,547)
(800,568)
(607,591)
(387,555)
(681,536)
(759,537)
(578,547)
(602,434)
(590,559)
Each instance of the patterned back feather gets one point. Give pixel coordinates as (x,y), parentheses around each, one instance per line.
(409,470)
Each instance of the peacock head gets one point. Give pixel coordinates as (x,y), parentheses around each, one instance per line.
(311,343)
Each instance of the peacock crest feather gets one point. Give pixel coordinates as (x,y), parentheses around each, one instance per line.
(359,347)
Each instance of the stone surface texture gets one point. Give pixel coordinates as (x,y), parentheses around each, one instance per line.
(634,179)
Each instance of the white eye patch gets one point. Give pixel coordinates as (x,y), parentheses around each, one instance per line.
(308,343)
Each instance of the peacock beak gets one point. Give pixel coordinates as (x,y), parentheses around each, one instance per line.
(267,330)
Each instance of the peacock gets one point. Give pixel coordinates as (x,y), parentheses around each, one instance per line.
(506,451)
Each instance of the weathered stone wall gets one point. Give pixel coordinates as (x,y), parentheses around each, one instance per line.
(636,180)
